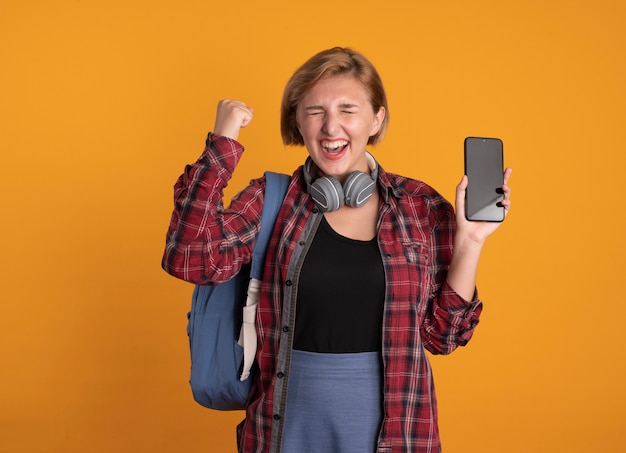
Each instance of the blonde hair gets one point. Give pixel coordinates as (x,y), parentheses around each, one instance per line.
(325,64)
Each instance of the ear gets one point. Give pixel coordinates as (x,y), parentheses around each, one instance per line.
(379,117)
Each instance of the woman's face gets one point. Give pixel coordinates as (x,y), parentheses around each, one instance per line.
(336,120)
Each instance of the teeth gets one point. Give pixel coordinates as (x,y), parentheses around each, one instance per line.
(334,145)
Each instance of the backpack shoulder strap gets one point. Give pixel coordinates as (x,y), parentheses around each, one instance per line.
(275,189)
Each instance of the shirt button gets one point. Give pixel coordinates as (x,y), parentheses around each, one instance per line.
(277,417)
(288,283)
(315,210)
(285,328)
(280,375)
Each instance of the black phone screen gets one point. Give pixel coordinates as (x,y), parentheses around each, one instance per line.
(484,167)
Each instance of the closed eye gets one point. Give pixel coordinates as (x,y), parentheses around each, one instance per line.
(348,108)
(313,110)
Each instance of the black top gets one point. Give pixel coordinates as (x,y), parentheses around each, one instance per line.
(341,294)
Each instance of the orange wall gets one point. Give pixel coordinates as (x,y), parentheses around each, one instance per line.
(103,103)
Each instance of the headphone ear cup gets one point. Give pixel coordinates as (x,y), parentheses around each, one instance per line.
(327,193)
(358,188)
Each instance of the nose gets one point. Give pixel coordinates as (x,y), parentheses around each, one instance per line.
(331,124)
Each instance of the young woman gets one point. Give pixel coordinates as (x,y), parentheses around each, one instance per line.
(366,270)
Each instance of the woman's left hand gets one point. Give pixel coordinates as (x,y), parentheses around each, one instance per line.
(479,231)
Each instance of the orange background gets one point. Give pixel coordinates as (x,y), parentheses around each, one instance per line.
(103,103)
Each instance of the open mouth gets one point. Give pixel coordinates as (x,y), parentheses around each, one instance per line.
(334,147)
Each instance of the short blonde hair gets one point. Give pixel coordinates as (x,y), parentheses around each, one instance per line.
(325,64)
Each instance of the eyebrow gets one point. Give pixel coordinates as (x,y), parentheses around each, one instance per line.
(345,105)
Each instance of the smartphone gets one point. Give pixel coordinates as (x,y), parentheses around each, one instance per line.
(484,167)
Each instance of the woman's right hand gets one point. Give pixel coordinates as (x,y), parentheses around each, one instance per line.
(231,117)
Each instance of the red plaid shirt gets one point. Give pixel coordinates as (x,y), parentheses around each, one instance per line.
(208,244)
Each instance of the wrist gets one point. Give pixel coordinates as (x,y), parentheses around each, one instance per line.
(467,243)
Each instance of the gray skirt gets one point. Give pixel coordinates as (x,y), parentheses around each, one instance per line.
(334,403)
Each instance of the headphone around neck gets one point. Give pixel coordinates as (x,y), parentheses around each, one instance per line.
(328,193)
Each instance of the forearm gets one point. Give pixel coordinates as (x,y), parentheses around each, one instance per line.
(464,266)
(196,228)
(456,307)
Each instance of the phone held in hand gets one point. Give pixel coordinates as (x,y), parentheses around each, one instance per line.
(484,167)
